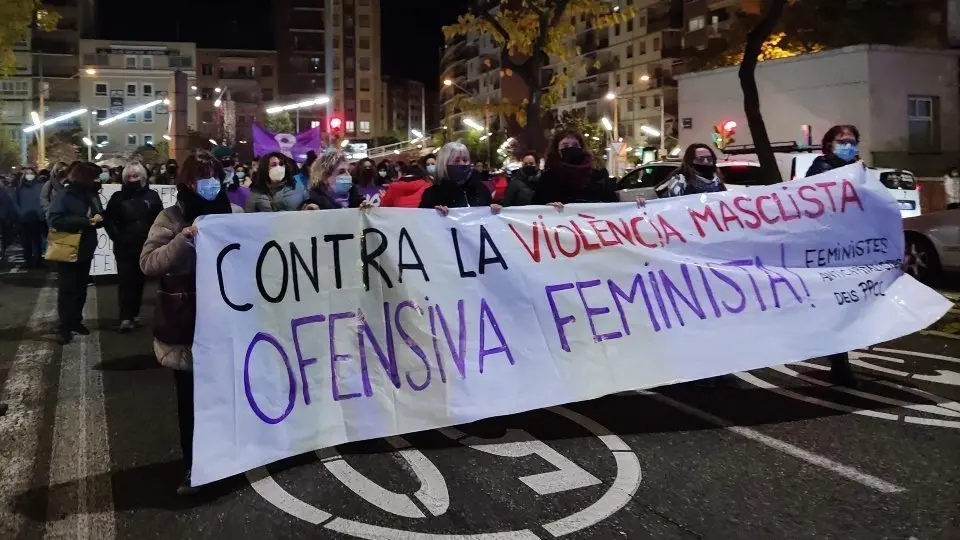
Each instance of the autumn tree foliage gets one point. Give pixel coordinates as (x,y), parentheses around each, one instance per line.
(18,16)
(534,34)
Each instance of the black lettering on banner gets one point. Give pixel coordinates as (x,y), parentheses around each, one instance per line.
(336,239)
(410,266)
(486,240)
(313,276)
(223,289)
(456,249)
(369,259)
(283,283)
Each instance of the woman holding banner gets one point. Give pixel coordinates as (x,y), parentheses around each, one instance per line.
(127,220)
(169,255)
(569,176)
(840,147)
(457,185)
(274,189)
(697,174)
(331,184)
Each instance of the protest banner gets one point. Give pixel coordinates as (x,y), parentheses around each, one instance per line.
(103,261)
(319,328)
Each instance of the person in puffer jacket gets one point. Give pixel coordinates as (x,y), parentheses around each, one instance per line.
(274,189)
(169,254)
(407,191)
(31,217)
(127,219)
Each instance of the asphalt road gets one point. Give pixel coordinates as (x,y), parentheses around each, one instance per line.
(89,450)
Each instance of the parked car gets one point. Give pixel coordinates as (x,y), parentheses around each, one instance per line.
(644,180)
(932,244)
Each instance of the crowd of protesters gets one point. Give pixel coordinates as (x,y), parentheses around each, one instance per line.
(156,242)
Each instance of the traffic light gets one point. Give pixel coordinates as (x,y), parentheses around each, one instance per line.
(335,126)
(723,134)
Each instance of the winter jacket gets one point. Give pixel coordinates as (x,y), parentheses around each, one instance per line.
(27,198)
(826,163)
(167,252)
(70,211)
(8,210)
(598,188)
(283,199)
(327,200)
(678,185)
(448,193)
(128,217)
(50,188)
(238,195)
(405,193)
(521,189)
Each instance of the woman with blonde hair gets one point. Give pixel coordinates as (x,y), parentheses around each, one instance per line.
(331,184)
(127,219)
(457,184)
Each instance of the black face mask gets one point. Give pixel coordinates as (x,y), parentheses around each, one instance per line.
(529,170)
(706,171)
(571,155)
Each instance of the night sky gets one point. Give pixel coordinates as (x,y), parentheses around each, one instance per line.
(411,36)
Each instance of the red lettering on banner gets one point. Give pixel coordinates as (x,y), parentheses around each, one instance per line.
(849,195)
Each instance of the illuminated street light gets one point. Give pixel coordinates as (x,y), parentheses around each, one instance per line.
(35,117)
(345,143)
(644,77)
(473,124)
(610,96)
(217,89)
(87,141)
(196,98)
(606,123)
(194,87)
(90,71)
(321,100)
(650,131)
(98,156)
(213,142)
(217,103)
(52,121)
(129,112)
(167,137)
(447,82)
(675,152)
(417,133)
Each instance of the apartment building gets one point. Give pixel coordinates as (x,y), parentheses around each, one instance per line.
(243,82)
(16,95)
(335,39)
(121,75)
(402,106)
(470,69)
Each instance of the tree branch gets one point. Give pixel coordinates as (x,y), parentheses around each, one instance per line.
(482,11)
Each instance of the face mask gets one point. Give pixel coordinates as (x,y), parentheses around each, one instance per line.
(342,184)
(208,188)
(529,170)
(132,180)
(705,171)
(29,177)
(846,151)
(431,169)
(277,173)
(241,174)
(459,173)
(104,176)
(571,155)
(382,173)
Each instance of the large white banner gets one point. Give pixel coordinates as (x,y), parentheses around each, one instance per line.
(103,261)
(320,328)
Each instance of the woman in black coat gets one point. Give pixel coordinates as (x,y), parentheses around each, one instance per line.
(76,209)
(458,185)
(569,176)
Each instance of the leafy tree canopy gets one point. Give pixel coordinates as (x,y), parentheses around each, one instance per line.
(279,123)
(18,17)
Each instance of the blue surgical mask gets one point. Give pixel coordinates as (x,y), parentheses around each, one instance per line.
(241,174)
(208,188)
(432,169)
(846,151)
(459,173)
(104,176)
(342,184)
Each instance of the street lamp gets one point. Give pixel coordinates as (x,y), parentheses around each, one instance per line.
(319,100)
(606,123)
(650,131)
(417,134)
(611,97)
(473,124)
(55,120)
(644,77)
(90,71)
(87,141)
(129,112)
(167,137)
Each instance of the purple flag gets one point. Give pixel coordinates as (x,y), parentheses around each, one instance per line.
(295,147)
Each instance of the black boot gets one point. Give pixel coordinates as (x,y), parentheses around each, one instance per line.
(840,371)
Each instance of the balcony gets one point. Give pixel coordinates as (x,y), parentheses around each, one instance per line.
(51,46)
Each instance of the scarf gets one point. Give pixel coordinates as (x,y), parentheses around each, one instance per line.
(572,175)
(193,206)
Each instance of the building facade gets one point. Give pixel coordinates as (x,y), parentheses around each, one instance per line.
(402,106)
(905,102)
(244,81)
(128,74)
(353,50)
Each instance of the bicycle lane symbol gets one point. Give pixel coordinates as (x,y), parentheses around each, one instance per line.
(433,495)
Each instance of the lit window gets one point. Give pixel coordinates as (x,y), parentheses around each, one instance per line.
(364,126)
(314,124)
(350,126)
(696,23)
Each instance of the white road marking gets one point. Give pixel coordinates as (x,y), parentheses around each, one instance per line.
(937,333)
(840,469)
(80,454)
(19,428)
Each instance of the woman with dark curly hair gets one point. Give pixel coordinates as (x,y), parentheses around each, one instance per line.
(569,176)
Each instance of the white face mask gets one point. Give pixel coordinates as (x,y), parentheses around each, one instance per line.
(277,173)
(29,177)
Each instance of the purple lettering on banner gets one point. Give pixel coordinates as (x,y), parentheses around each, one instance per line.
(334,357)
(388,361)
(304,362)
(743,264)
(617,293)
(413,345)
(460,353)
(436,343)
(485,313)
(709,289)
(729,281)
(292,395)
(776,278)
(673,293)
(557,319)
(592,311)
(658,296)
